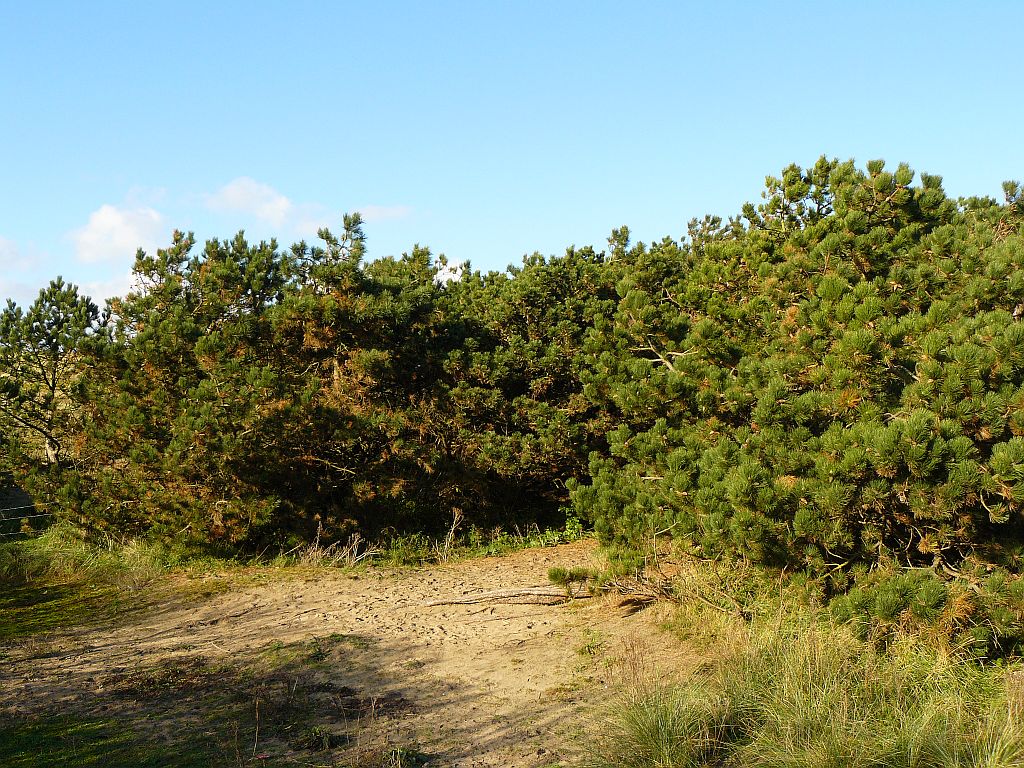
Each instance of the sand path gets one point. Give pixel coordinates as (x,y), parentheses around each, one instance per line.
(484,684)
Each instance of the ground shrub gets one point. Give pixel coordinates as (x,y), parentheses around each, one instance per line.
(981,618)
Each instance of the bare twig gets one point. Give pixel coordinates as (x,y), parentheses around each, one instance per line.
(256,740)
(444,549)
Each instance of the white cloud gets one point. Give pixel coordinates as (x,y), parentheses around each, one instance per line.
(246,195)
(15,269)
(11,257)
(8,252)
(114,234)
(311,221)
(384,212)
(101,290)
(267,206)
(21,291)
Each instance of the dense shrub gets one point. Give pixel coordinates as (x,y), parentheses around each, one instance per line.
(982,618)
(831,381)
(835,380)
(245,396)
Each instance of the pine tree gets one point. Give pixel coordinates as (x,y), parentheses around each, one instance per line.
(40,372)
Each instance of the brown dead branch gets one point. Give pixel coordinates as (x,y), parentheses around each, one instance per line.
(521,596)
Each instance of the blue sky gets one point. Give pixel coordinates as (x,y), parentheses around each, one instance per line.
(483,130)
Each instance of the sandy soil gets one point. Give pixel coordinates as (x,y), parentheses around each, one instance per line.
(483,684)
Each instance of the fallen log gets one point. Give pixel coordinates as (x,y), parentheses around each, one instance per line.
(521,596)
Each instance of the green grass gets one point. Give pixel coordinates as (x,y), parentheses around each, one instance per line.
(77,742)
(29,610)
(58,580)
(779,682)
(566,577)
(60,554)
(418,549)
(810,695)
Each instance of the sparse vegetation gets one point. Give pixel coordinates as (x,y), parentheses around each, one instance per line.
(347,554)
(31,610)
(789,681)
(70,742)
(419,549)
(592,644)
(277,708)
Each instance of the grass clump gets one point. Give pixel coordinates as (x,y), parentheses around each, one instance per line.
(58,579)
(812,695)
(60,554)
(339,554)
(418,549)
(566,577)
